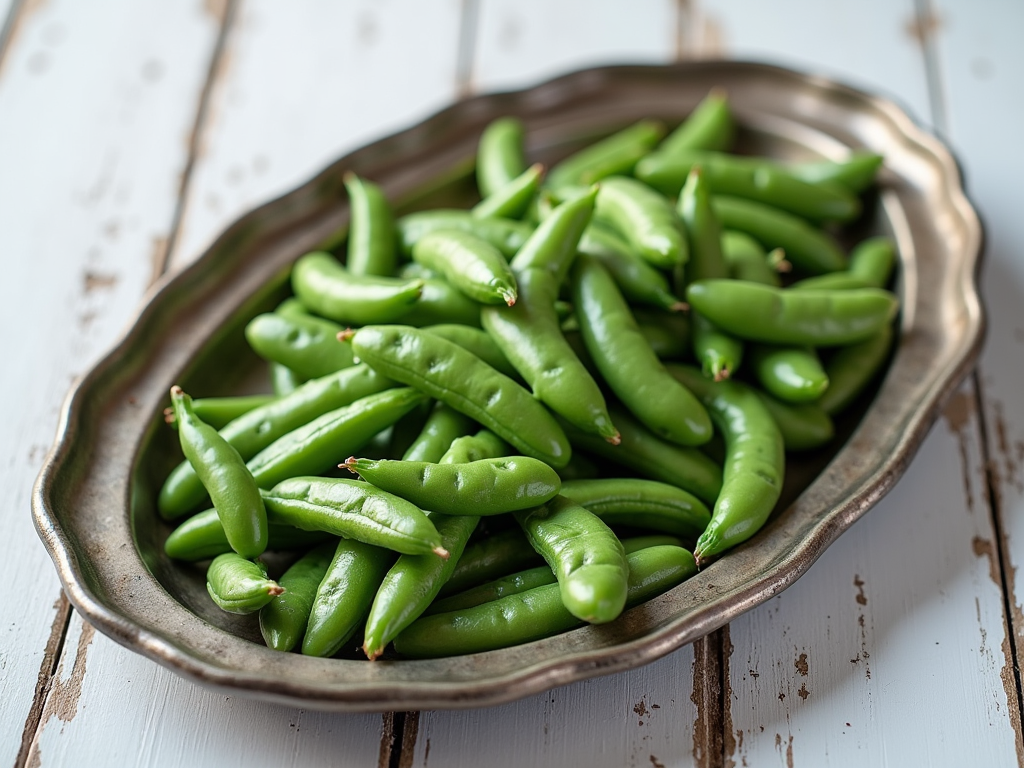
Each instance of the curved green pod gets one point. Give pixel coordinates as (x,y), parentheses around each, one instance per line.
(535,613)
(470,263)
(612,156)
(499,157)
(755,462)
(331,437)
(371,239)
(710,126)
(642,503)
(283,620)
(355,510)
(255,430)
(775,316)
(484,487)
(810,250)
(644,218)
(239,585)
(448,373)
(326,287)
(511,200)
(202,537)
(586,557)
(307,345)
(792,374)
(344,596)
(507,235)
(224,475)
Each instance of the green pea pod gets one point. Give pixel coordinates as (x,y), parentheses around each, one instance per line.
(751,179)
(371,239)
(443,426)
(507,235)
(292,307)
(747,260)
(355,510)
(257,429)
(476,341)
(813,318)
(491,557)
(586,557)
(219,411)
(852,368)
(792,374)
(284,380)
(344,596)
(642,503)
(238,585)
(529,336)
(810,250)
(873,261)
(225,477)
(552,246)
(328,439)
(611,156)
(644,218)
(283,620)
(458,378)
(533,577)
(470,263)
(477,447)
(628,365)
(485,487)
(856,173)
(754,462)
(512,199)
(535,613)
(441,302)
(307,345)
(639,282)
(202,537)
(326,287)
(499,157)
(414,581)
(710,126)
(804,427)
(648,455)
(719,353)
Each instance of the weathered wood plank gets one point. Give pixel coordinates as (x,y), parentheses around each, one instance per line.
(523,41)
(303,83)
(96,104)
(298,84)
(128,711)
(981,63)
(904,608)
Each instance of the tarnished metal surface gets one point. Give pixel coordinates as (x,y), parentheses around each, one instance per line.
(94,500)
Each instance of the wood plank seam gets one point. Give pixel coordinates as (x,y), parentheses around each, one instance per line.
(707,697)
(52,654)
(469,24)
(195,137)
(55,647)
(924,28)
(1011,613)
(7,31)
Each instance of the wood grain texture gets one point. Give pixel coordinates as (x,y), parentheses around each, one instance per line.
(907,606)
(302,83)
(520,42)
(298,84)
(115,708)
(91,153)
(981,62)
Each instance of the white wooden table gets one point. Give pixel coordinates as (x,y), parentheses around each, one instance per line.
(133,131)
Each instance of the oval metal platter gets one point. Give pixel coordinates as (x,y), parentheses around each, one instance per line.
(94,499)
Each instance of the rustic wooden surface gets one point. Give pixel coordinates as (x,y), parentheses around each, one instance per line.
(132,132)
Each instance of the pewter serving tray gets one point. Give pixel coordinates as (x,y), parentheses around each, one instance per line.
(94,500)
